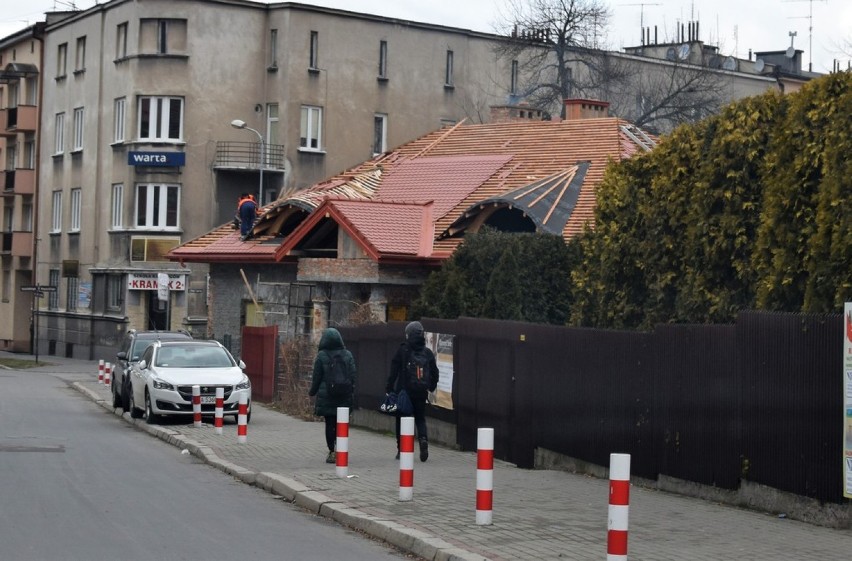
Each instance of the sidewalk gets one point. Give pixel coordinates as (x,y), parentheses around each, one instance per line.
(538,514)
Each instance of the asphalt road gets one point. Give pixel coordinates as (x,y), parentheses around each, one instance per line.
(77,483)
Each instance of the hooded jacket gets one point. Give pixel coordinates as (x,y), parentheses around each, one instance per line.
(398,377)
(326,405)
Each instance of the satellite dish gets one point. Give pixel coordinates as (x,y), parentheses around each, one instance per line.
(759,65)
(730,63)
(670,54)
(683,51)
(791,52)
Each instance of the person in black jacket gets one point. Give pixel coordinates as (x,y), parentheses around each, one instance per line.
(326,405)
(401,373)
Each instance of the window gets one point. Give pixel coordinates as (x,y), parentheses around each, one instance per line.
(11,155)
(119,110)
(117,219)
(273,48)
(76,206)
(78,129)
(7,284)
(162,36)
(53,297)
(61,60)
(272,124)
(160,118)
(59,134)
(27,217)
(56,217)
(157,206)
(81,54)
(383,59)
(113,293)
(8,219)
(73,293)
(29,153)
(448,75)
(513,80)
(121,40)
(32,90)
(380,134)
(313,63)
(311,128)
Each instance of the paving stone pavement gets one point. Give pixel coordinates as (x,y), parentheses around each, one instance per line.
(538,514)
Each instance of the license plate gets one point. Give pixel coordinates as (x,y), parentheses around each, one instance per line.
(208,399)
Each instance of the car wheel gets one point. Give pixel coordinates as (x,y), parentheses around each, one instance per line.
(135,412)
(150,417)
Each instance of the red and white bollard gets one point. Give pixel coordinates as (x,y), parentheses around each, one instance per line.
(107,373)
(484,476)
(242,419)
(341,447)
(101,371)
(196,406)
(619,504)
(219,411)
(406,458)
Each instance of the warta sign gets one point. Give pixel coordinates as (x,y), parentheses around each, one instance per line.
(157,159)
(149,281)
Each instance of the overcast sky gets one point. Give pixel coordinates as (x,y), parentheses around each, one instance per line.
(734,25)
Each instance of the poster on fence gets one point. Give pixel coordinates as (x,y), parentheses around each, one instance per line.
(442,345)
(847,400)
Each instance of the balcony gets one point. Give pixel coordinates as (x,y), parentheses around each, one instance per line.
(247,156)
(23,118)
(18,244)
(18,182)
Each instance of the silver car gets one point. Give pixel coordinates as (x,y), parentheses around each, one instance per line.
(161,382)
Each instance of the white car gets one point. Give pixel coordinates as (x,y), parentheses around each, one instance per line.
(161,381)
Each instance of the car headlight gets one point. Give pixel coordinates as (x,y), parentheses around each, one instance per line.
(161,385)
(244,385)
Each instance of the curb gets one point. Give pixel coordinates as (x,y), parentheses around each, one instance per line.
(407,539)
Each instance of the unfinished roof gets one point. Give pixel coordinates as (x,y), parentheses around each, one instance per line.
(548,170)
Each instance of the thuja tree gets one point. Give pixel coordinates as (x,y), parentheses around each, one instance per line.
(747,209)
(501,275)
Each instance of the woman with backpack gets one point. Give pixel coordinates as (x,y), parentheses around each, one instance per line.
(333,384)
(413,369)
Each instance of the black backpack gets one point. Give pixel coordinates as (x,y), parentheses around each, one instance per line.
(339,380)
(418,371)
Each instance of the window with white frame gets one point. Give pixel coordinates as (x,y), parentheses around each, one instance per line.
(11,155)
(160,118)
(53,297)
(383,59)
(61,60)
(29,153)
(117,218)
(76,208)
(272,124)
(448,72)
(118,115)
(81,54)
(121,40)
(157,206)
(32,90)
(310,136)
(8,219)
(380,133)
(313,62)
(78,129)
(59,134)
(56,213)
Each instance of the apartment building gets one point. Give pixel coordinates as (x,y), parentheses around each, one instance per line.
(158,114)
(20,82)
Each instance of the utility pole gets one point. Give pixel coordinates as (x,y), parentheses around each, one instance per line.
(810,18)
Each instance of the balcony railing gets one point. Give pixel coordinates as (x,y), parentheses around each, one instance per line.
(22,118)
(247,155)
(18,181)
(22,244)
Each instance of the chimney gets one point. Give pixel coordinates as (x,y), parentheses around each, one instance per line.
(576,109)
(521,112)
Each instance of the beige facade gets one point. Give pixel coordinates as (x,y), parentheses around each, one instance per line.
(20,81)
(139,153)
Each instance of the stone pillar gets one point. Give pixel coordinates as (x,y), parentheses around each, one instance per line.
(378,304)
(319,314)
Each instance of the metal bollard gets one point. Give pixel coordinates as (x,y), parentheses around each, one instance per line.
(220,407)
(406,458)
(619,504)
(196,406)
(341,447)
(484,476)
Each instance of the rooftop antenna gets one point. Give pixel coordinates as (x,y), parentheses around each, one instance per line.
(810,18)
(642,13)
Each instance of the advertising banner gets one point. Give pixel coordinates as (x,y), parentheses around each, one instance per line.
(442,345)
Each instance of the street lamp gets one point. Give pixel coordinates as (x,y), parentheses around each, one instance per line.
(239,124)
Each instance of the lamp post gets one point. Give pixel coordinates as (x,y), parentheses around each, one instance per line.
(239,124)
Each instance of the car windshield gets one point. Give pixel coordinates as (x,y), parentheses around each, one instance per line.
(193,357)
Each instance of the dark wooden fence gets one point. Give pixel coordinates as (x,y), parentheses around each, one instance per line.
(759,400)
